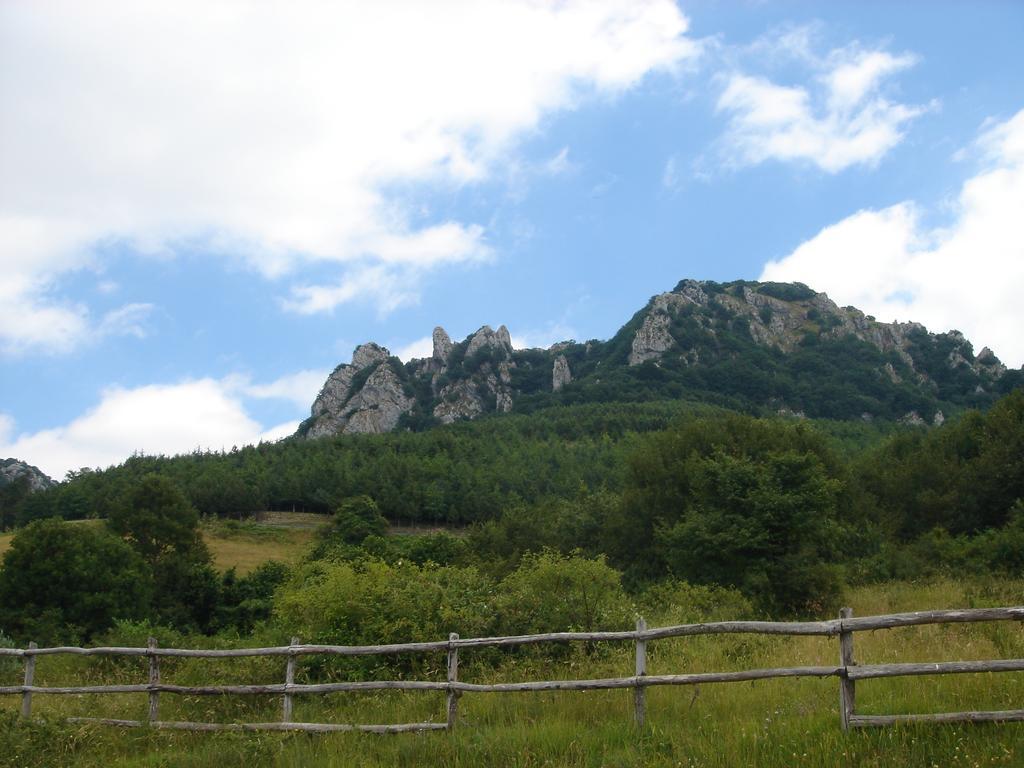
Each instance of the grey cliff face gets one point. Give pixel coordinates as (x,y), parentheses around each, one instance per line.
(652,339)
(486,388)
(459,401)
(12,470)
(696,324)
(499,341)
(375,407)
(373,392)
(782,324)
(442,345)
(560,373)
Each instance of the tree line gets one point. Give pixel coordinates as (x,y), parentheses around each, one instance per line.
(779,514)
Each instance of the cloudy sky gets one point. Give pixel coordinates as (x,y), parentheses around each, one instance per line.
(205,206)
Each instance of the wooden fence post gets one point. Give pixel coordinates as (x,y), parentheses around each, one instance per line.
(453,677)
(154,679)
(639,694)
(30,673)
(289,679)
(847,687)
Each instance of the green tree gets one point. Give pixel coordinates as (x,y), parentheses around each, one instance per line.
(355,519)
(62,581)
(156,519)
(550,592)
(12,498)
(736,501)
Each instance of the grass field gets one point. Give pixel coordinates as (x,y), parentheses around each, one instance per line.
(280,536)
(770,723)
(245,545)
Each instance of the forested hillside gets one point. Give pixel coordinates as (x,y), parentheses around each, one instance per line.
(783,510)
(772,347)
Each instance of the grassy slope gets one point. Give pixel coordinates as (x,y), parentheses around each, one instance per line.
(244,546)
(772,723)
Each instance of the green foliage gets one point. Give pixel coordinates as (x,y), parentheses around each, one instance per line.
(65,581)
(964,477)
(12,499)
(249,600)
(559,525)
(786,291)
(371,602)
(550,592)
(186,590)
(221,492)
(355,519)
(157,519)
(679,602)
(8,664)
(737,501)
(438,548)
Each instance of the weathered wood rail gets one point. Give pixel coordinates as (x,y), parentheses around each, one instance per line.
(847,670)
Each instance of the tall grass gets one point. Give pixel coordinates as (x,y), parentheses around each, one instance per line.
(770,723)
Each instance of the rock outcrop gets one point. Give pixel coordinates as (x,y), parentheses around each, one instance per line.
(784,322)
(486,370)
(652,339)
(560,373)
(13,470)
(694,335)
(363,396)
(442,345)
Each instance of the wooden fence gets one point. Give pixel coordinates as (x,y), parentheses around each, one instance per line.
(847,670)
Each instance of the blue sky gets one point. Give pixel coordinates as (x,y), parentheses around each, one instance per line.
(204,208)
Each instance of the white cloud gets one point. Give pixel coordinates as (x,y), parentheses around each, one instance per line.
(125,321)
(968,275)
(273,131)
(156,419)
(279,432)
(543,337)
(168,419)
(300,388)
(31,319)
(558,164)
(420,348)
(840,120)
(670,174)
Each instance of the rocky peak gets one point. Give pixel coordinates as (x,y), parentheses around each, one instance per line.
(366,355)
(782,315)
(442,345)
(499,340)
(560,373)
(357,399)
(12,470)
(698,325)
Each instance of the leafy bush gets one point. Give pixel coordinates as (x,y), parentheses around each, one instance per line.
(354,519)
(550,592)
(672,601)
(66,581)
(786,291)
(736,501)
(371,602)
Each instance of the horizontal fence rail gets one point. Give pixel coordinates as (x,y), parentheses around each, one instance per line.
(848,671)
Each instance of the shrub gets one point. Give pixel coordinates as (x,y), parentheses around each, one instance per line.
(66,581)
(678,602)
(371,602)
(550,592)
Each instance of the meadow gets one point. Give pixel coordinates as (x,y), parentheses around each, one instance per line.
(770,723)
(244,545)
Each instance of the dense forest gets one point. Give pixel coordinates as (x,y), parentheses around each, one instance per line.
(622,503)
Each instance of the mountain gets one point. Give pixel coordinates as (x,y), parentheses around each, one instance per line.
(12,470)
(760,347)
